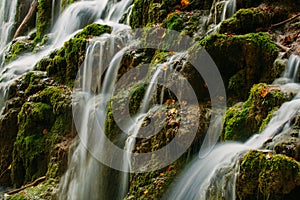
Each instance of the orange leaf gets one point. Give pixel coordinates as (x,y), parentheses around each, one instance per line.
(146,191)
(45,131)
(185,3)
(170,101)
(264,92)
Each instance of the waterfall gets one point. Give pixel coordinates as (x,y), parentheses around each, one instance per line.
(8,10)
(228,10)
(292,68)
(75,17)
(87,177)
(213,176)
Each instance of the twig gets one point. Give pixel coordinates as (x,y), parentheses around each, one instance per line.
(27,19)
(34,183)
(284,22)
(282,47)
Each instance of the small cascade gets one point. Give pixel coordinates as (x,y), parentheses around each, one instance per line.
(213,176)
(8,10)
(56,9)
(74,17)
(87,177)
(227,11)
(292,68)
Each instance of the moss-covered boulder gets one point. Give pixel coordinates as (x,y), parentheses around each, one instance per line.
(267,176)
(253,20)
(42,123)
(63,64)
(19,47)
(243,120)
(242,60)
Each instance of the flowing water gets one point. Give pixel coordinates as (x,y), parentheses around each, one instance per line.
(86,177)
(8,10)
(227,11)
(214,176)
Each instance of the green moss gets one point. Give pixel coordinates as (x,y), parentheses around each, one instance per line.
(246,21)
(18,48)
(174,22)
(242,60)
(42,191)
(147,13)
(267,119)
(93,30)
(42,123)
(64,64)
(136,97)
(267,176)
(44,19)
(241,121)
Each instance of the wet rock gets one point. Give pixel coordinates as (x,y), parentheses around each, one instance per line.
(264,176)
(241,121)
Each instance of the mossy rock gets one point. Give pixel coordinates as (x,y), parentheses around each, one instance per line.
(242,60)
(243,120)
(42,123)
(43,190)
(245,21)
(44,19)
(174,21)
(264,176)
(18,48)
(147,13)
(253,20)
(63,64)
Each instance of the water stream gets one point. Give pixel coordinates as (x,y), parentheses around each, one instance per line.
(218,170)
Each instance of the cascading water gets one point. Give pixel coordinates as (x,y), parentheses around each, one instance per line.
(8,12)
(75,17)
(292,68)
(214,176)
(228,9)
(86,177)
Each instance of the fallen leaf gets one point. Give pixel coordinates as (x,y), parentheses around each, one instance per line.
(264,92)
(170,101)
(45,131)
(185,3)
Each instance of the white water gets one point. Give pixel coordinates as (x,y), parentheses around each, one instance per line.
(75,17)
(214,176)
(8,9)
(86,177)
(292,68)
(228,10)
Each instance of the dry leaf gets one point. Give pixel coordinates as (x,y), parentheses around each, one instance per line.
(264,92)
(185,3)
